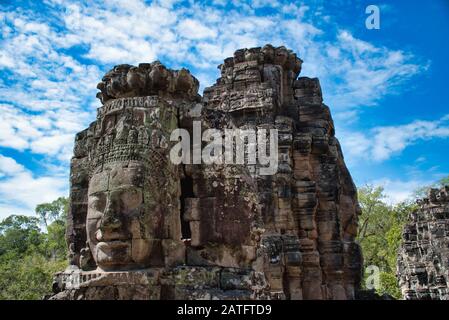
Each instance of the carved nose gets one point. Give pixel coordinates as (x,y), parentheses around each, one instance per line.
(110,218)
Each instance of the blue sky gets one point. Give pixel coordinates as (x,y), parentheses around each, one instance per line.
(387,88)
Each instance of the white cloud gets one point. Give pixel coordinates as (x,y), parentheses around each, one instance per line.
(20,191)
(356,74)
(192,29)
(381,143)
(397,190)
(420,159)
(16,128)
(50,133)
(8,166)
(48,90)
(7,210)
(59,145)
(264,3)
(353,72)
(391,140)
(416,177)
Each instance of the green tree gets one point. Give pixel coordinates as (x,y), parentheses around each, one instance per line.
(55,240)
(380,233)
(53,216)
(52,211)
(19,233)
(27,277)
(29,255)
(422,192)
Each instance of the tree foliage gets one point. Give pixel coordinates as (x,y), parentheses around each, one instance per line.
(18,234)
(422,192)
(53,211)
(32,249)
(379,235)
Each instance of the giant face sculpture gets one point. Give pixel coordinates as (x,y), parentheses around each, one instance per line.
(122,230)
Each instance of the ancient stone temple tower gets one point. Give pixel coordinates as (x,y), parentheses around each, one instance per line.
(143,226)
(423,261)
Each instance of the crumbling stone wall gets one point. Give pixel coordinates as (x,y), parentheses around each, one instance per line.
(423,260)
(287,235)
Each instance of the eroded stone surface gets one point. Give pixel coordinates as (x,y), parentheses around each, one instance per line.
(423,260)
(286,235)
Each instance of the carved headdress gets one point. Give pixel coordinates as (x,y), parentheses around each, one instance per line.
(134,123)
(146,80)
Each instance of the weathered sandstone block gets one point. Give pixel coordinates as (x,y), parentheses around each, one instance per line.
(423,260)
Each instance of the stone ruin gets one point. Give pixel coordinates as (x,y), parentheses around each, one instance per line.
(423,260)
(142,227)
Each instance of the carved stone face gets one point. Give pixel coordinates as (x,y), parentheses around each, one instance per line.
(119,226)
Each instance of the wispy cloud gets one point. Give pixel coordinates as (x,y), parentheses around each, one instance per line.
(397,190)
(381,143)
(51,60)
(20,190)
(9,166)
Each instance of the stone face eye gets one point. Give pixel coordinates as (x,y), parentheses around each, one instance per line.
(97,202)
(131,199)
